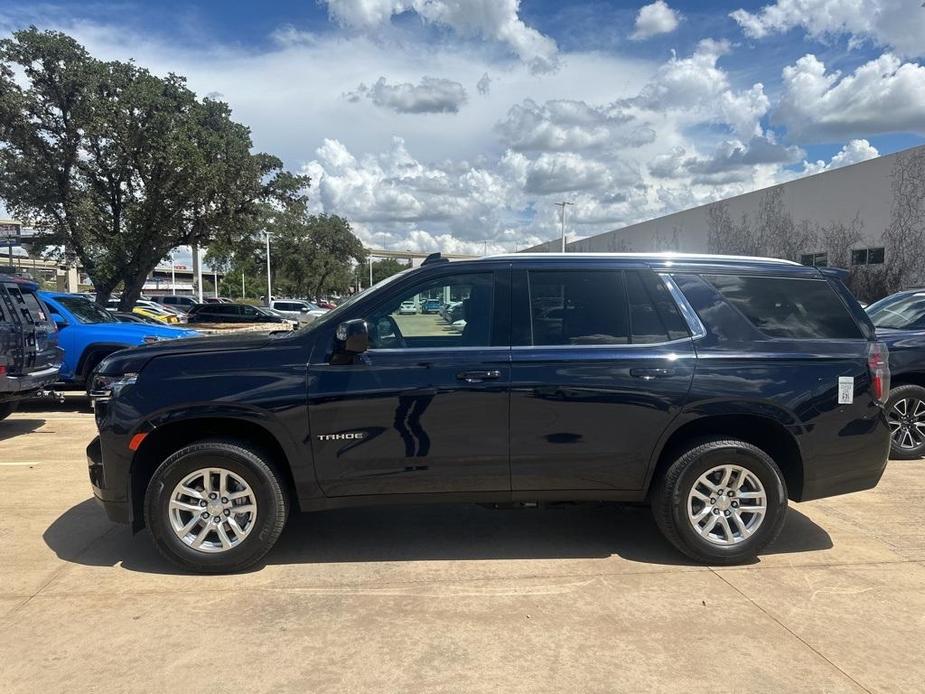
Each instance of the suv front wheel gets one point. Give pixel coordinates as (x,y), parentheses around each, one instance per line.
(215,506)
(721,501)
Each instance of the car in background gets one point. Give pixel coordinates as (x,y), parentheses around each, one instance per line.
(29,352)
(124,317)
(407,308)
(148,309)
(233,313)
(430,306)
(180,302)
(900,322)
(88,334)
(324,303)
(303,312)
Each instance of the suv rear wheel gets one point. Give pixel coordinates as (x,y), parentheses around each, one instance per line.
(721,501)
(905,412)
(215,507)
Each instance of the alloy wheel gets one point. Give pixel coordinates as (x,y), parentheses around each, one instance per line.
(212,510)
(907,423)
(726,505)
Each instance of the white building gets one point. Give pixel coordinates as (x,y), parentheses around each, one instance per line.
(860,197)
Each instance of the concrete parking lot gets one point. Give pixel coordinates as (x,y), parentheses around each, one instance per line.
(452,598)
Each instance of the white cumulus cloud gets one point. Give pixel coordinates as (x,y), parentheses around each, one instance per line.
(652,20)
(899,24)
(496,20)
(883,95)
(431,95)
(854,152)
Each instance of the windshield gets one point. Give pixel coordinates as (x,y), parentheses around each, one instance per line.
(902,312)
(85,310)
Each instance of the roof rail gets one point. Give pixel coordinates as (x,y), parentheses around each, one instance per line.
(434,258)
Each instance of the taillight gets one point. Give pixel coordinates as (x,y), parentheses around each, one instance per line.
(878,363)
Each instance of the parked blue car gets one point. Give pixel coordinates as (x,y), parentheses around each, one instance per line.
(88,333)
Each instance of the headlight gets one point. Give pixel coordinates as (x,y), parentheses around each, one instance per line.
(104,387)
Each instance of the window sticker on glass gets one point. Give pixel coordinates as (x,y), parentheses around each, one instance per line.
(845,390)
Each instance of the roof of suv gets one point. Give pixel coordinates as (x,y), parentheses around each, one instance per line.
(662,261)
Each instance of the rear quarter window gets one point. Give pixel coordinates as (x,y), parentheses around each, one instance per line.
(788,307)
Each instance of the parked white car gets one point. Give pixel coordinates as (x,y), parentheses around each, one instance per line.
(302,311)
(407,308)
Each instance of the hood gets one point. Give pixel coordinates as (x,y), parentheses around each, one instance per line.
(133,359)
(139,331)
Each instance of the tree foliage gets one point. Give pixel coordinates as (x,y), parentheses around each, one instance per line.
(904,238)
(386,268)
(119,166)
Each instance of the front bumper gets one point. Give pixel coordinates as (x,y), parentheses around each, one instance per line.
(109,488)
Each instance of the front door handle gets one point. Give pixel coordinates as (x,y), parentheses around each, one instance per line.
(478,376)
(650,374)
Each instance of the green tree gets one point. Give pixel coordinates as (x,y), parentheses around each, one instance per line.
(386,268)
(119,166)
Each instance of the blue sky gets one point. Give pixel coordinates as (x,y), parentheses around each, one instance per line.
(446,124)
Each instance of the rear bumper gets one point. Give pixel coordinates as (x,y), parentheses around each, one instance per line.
(850,469)
(25,384)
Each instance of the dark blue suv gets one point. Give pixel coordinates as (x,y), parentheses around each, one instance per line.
(712,388)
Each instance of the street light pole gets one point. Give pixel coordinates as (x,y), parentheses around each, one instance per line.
(370,271)
(173,274)
(269,288)
(563,205)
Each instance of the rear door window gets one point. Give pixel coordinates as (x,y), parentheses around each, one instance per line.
(788,307)
(577,307)
(654,316)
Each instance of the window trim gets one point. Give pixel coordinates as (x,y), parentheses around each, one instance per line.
(694,324)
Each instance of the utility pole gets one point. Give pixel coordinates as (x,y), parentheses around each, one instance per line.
(197,270)
(242,283)
(485,251)
(269,290)
(215,280)
(563,205)
(173,274)
(370,271)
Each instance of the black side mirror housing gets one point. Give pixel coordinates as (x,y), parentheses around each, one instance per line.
(60,321)
(352,337)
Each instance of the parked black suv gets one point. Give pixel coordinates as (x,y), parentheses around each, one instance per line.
(29,354)
(714,388)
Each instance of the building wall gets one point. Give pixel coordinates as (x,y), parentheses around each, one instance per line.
(862,189)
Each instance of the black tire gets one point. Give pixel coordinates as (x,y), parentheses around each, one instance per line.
(670,499)
(915,399)
(7,408)
(252,466)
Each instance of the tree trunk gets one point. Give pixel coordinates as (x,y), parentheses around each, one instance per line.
(132,288)
(103,293)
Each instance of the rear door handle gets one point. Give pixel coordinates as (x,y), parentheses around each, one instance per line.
(478,376)
(649,374)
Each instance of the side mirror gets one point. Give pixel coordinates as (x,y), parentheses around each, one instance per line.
(59,320)
(353,336)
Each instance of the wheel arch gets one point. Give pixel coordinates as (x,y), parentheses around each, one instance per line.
(92,355)
(171,436)
(765,433)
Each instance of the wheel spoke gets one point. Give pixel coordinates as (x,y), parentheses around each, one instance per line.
(202,535)
(189,526)
(223,482)
(244,508)
(192,493)
(726,529)
(223,536)
(708,526)
(901,406)
(184,506)
(207,481)
(697,494)
(727,473)
(234,496)
(737,520)
(919,409)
